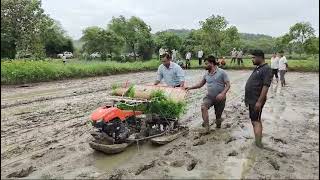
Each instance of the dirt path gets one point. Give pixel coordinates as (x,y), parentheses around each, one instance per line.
(44,132)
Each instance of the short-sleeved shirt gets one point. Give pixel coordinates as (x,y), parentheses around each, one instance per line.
(234,54)
(188,55)
(275,63)
(216,82)
(239,54)
(282,63)
(261,76)
(172,76)
(200,54)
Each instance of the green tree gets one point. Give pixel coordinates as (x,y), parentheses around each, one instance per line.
(300,32)
(20,26)
(231,40)
(167,40)
(99,40)
(311,45)
(134,31)
(54,38)
(193,43)
(213,32)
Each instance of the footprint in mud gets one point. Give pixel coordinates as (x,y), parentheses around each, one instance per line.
(230,139)
(233,153)
(22,172)
(192,164)
(168,152)
(199,142)
(278,140)
(117,174)
(145,167)
(274,163)
(177,163)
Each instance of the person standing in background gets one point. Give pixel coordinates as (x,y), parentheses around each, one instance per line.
(274,65)
(233,55)
(188,59)
(239,57)
(283,68)
(200,55)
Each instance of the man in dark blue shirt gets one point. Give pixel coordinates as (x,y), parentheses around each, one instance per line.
(256,91)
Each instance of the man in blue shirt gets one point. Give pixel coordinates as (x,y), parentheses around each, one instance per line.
(170,72)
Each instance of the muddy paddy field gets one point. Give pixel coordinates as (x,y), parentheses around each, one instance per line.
(45,133)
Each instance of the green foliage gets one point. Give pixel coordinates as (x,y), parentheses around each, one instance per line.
(130,92)
(160,105)
(300,33)
(25,29)
(311,45)
(22,71)
(213,33)
(164,106)
(134,31)
(105,42)
(167,40)
(231,40)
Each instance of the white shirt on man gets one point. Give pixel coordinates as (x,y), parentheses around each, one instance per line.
(239,54)
(234,53)
(275,63)
(282,63)
(188,55)
(200,54)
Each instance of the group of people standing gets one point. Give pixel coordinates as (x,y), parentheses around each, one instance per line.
(237,55)
(188,58)
(279,65)
(218,84)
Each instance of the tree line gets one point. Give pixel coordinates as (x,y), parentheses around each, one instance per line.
(26,29)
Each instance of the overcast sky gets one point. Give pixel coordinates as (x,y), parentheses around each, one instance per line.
(271,17)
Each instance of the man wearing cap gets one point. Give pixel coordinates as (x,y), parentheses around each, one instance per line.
(218,84)
(256,91)
(170,72)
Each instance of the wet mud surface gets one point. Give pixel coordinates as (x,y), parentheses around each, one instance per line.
(45,134)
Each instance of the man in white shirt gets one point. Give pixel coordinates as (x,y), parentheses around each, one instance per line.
(188,58)
(233,55)
(239,57)
(283,68)
(275,65)
(200,55)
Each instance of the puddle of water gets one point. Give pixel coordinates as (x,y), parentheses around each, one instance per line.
(107,162)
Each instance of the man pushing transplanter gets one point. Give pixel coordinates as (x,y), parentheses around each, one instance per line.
(170,72)
(218,84)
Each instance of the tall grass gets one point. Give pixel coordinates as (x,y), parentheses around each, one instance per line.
(19,72)
(28,71)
